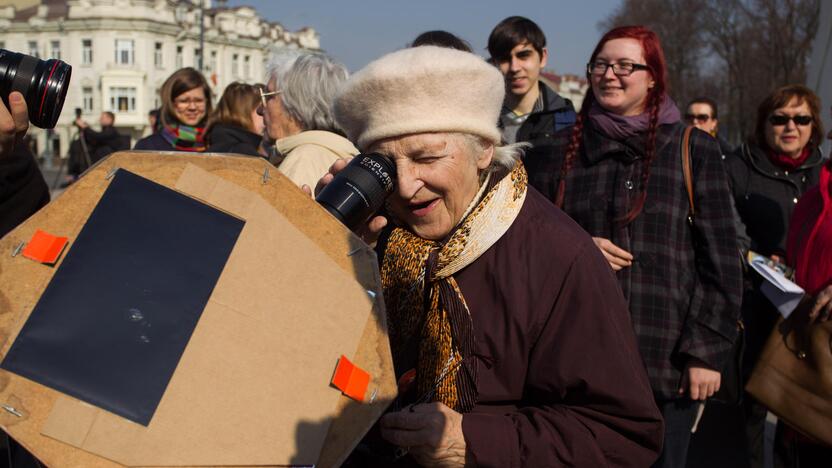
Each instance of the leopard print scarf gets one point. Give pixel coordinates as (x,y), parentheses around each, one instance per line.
(430,326)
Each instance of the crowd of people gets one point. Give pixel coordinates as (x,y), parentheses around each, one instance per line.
(562,288)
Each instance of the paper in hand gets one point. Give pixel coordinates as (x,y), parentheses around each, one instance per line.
(783,293)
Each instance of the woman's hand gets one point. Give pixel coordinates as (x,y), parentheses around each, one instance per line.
(13,123)
(617,257)
(432,434)
(821,305)
(369,233)
(699,380)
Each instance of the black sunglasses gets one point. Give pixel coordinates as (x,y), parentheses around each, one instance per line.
(780,120)
(697,117)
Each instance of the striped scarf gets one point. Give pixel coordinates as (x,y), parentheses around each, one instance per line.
(430,326)
(185,138)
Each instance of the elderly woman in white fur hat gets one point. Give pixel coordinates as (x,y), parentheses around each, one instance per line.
(510,336)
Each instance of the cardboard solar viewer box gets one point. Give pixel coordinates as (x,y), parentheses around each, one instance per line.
(194,317)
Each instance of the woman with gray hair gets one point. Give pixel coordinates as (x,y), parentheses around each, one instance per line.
(510,337)
(296,107)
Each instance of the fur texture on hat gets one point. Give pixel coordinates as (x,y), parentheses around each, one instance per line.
(418,90)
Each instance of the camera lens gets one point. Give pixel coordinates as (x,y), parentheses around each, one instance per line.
(360,189)
(43,83)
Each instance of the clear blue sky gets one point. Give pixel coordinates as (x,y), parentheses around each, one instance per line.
(358,31)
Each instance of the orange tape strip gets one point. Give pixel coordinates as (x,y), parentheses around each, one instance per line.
(351,379)
(44,247)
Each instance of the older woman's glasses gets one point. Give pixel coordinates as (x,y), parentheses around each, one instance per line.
(265,96)
(599,68)
(780,120)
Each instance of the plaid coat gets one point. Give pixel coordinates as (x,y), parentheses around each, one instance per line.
(685,285)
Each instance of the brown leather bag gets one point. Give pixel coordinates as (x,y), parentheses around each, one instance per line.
(793,377)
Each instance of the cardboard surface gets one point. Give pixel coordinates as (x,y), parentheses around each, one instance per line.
(22,281)
(117,315)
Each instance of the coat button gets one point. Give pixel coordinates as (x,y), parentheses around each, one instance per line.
(628,184)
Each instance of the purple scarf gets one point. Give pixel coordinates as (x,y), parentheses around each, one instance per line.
(619,127)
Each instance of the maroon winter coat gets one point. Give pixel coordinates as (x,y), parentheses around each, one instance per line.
(560,379)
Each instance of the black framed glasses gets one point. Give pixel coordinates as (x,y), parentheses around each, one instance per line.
(697,117)
(777,120)
(619,69)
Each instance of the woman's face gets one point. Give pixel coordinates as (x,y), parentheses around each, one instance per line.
(789,138)
(189,107)
(278,123)
(438,176)
(622,95)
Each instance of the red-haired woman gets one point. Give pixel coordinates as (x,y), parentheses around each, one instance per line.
(618,173)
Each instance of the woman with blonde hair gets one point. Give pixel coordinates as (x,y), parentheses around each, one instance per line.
(236,127)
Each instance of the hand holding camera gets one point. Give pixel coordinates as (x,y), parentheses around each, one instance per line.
(14,122)
(355,189)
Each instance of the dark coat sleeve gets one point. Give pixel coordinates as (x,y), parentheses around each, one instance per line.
(155,142)
(711,324)
(591,400)
(22,188)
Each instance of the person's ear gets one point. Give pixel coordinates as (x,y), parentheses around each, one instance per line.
(485,157)
(544,57)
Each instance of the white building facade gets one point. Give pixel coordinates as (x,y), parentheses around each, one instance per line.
(122,51)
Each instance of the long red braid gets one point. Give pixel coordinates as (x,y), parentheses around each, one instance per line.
(654,57)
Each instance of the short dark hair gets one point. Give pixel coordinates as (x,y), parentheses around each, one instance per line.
(441,39)
(781,97)
(512,31)
(708,101)
(110,115)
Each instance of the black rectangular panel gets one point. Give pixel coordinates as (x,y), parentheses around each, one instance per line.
(114,321)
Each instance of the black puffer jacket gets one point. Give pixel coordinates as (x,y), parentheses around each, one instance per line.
(765,194)
(230,139)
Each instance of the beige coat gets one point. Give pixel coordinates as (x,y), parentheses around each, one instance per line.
(308,155)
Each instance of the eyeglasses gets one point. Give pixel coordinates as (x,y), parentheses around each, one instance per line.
(599,68)
(697,117)
(780,120)
(264,97)
(188,101)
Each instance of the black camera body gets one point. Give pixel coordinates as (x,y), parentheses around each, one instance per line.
(43,83)
(359,191)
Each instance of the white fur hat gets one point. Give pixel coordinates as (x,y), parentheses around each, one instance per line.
(421,89)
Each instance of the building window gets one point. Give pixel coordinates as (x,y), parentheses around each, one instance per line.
(235,65)
(157,55)
(247,66)
(178,57)
(2,45)
(86,51)
(122,99)
(197,58)
(33,49)
(87,99)
(55,50)
(124,51)
(212,64)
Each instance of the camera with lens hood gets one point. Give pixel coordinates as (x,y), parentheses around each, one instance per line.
(43,83)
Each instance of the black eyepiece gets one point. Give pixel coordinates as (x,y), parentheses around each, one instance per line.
(359,191)
(43,83)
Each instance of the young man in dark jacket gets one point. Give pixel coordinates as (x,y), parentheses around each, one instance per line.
(108,140)
(532,111)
